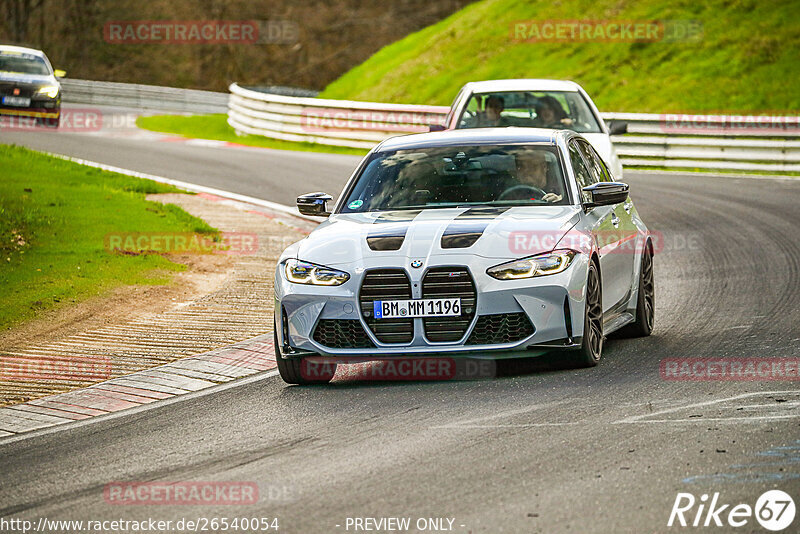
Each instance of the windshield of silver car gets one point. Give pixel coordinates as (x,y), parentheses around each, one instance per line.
(452,176)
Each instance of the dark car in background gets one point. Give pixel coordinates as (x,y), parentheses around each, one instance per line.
(29,87)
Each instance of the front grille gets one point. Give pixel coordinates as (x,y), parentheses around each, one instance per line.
(25,90)
(449,282)
(342,334)
(386,284)
(500,328)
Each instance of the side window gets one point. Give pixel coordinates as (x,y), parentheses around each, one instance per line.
(582,174)
(596,166)
(456,100)
(469,117)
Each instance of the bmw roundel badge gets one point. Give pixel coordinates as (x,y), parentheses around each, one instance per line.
(416,264)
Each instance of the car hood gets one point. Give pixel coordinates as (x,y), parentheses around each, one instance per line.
(487,232)
(32,79)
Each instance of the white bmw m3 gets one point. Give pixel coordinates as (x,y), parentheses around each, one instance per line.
(489,243)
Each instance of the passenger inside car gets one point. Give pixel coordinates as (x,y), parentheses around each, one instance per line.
(550,114)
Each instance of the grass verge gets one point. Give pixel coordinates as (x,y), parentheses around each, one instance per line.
(744,59)
(54,217)
(215,127)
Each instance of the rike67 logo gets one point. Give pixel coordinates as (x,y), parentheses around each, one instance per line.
(774,510)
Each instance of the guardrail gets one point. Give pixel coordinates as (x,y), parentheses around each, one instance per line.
(328,122)
(748,143)
(144,97)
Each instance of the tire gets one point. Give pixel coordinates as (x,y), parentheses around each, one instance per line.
(646,300)
(292,369)
(591,349)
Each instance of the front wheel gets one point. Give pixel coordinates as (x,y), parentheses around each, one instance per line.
(646,301)
(300,370)
(592,345)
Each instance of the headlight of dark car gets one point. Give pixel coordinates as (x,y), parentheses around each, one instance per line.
(539,265)
(303,272)
(50,91)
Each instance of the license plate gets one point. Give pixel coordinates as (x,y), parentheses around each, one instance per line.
(18,101)
(392,309)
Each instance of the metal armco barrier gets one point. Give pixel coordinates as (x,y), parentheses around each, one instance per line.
(144,97)
(329,122)
(723,142)
(680,141)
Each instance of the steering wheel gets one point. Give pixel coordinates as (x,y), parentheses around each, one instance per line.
(522,190)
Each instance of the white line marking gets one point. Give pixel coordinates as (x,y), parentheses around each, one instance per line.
(191,187)
(754,418)
(512,425)
(470,423)
(644,417)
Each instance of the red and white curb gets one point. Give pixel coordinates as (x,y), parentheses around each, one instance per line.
(175,379)
(180,377)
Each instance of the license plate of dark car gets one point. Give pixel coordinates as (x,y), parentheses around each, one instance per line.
(17,101)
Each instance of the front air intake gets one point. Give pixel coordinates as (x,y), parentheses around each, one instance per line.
(443,283)
(386,284)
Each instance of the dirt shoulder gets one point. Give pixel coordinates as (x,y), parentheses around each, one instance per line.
(219,299)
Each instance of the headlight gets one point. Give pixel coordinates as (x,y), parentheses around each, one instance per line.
(50,91)
(541,265)
(303,272)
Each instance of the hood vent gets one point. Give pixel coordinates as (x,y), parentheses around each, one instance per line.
(387,240)
(464,234)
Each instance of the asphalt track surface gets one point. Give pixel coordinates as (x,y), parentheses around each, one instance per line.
(541,449)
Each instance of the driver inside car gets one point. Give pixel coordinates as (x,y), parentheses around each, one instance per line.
(533,177)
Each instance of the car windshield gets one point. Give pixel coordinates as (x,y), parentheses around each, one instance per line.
(444,177)
(20,63)
(529,109)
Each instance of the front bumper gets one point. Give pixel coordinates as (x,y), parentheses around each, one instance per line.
(45,109)
(553,304)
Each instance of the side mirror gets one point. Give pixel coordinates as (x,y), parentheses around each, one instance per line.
(436,128)
(617,127)
(60,73)
(314,204)
(605,194)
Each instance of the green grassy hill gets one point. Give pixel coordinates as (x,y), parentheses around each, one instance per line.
(746,60)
